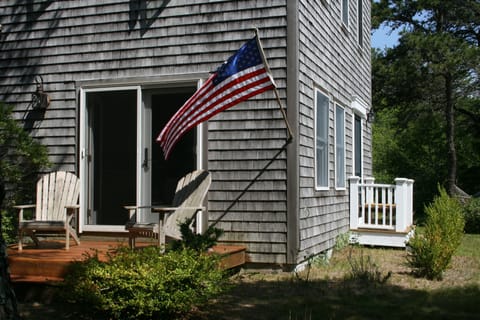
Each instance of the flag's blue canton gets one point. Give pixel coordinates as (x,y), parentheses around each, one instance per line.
(247,56)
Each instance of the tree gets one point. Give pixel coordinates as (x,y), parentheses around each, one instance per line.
(21,157)
(431,78)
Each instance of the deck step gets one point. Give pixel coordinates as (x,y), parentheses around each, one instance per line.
(231,256)
(37,270)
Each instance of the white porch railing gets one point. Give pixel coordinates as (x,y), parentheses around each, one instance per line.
(381,206)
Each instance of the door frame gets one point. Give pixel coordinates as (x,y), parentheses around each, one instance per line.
(142,178)
(86,172)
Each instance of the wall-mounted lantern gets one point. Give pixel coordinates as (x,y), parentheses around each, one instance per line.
(371,116)
(40,100)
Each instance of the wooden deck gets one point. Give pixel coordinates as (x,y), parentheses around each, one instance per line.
(49,262)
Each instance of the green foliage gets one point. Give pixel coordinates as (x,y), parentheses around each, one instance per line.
(323,259)
(472,216)
(20,155)
(145,284)
(425,95)
(9,227)
(21,158)
(199,242)
(431,252)
(414,149)
(342,241)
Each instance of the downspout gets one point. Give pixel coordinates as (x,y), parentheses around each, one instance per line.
(293,240)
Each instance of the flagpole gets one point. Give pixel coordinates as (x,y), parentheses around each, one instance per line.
(277,96)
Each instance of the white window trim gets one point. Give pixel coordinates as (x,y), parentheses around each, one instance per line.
(344,149)
(317,186)
(362,120)
(359,108)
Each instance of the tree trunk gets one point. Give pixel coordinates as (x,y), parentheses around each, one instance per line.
(450,135)
(8,301)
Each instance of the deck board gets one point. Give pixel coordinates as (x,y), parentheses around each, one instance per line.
(49,262)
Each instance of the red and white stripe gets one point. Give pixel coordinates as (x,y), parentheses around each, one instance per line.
(210,100)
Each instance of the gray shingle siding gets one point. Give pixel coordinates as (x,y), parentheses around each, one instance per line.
(332,61)
(70,43)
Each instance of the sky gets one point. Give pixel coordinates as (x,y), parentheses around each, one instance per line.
(382,38)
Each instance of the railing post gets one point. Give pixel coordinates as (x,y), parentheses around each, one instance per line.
(401,202)
(368,204)
(369,190)
(410,202)
(354,184)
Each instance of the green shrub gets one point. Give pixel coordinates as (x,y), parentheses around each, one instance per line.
(342,241)
(9,227)
(199,242)
(432,251)
(472,216)
(21,159)
(145,284)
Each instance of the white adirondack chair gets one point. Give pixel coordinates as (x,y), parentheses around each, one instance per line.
(57,201)
(188,200)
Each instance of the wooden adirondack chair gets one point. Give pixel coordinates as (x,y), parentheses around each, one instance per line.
(189,196)
(57,201)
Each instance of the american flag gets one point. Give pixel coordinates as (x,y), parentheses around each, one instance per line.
(241,77)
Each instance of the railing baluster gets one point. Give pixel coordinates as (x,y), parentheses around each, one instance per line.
(369,221)
(390,207)
(383,206)
(366,210)
(362,203)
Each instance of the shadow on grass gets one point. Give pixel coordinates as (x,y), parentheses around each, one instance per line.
(38,301)
(293,299)
(331,299)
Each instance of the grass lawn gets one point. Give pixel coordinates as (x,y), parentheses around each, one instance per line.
(324,292)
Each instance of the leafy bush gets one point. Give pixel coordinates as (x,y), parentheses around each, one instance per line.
(342,241)
(472,216)
(9,226)
(145,284)
(21,158)
(199,242)
(432,251)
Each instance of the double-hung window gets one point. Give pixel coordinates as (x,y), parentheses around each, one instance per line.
(339,147)
(322,103)
(345,12)
(357,145)
(360,22)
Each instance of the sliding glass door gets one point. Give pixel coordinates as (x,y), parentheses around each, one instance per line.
(120,163)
